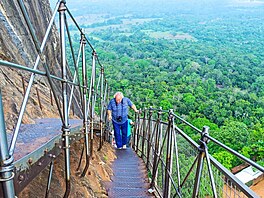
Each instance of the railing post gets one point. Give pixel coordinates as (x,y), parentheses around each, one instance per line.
(149,135)
(93,102)
(134,133)
(102,108)
(203,152)
(65,126)
(177,157)
(84,100)
(198,172)
(106,122)
(156,151)
(137,130)
(205,141)
(107,99)
(49,178)
(169,156)
(144,133)
(6,165)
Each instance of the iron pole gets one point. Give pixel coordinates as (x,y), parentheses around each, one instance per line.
(6,169)
(85,115)
(137,131)
(149,135)
(168,167)
(49,178)
(177,158)
(101,113)
(93,97)
(65,126)
(205,141)
(133,142)
(106,136)
(144,134)
(199,169)
(156,151)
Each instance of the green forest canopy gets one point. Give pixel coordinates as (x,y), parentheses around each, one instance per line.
(205,64)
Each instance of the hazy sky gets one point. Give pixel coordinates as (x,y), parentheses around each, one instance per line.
(207,9)
(110,6)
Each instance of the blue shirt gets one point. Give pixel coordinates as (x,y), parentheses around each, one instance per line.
(120,109)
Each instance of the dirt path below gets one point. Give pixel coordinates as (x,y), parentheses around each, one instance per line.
(259,188)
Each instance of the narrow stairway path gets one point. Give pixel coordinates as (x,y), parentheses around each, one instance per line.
(130,176)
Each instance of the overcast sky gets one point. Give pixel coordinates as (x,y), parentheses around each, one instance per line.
(158,8)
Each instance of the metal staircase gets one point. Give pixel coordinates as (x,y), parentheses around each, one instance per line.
(176,165)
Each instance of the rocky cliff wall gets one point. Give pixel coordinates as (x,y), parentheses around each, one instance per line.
(16,45)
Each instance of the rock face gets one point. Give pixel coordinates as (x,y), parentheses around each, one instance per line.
(17,46)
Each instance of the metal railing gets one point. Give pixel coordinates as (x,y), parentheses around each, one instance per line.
(170,155)
(177,165)
(74,88)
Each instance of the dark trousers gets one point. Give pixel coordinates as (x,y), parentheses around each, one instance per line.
(120,131)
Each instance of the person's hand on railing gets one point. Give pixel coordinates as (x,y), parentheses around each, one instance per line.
(134,108)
